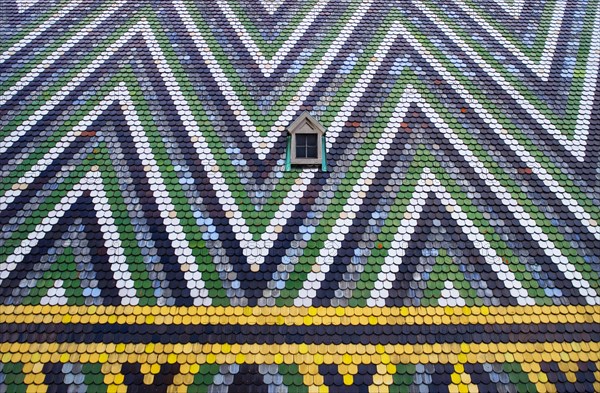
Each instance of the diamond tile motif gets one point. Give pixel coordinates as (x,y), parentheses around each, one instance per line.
(152,238)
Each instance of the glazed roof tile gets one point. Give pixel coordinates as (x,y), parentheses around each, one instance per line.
(153,236)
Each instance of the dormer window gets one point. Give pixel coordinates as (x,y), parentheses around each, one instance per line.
(306,142)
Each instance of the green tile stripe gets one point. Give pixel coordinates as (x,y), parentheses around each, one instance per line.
(421,160)
(32,26)
(14,379)
(43,54)
(534,51)
(270,48)
(329,216)
(263,120)
(567,124)
(506,178)
(64,80)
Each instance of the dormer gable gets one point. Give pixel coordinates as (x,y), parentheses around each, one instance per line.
(306,143)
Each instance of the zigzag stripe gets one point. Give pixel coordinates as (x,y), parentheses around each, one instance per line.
(343,198)
(92,182)
(576,145)
(543,65)
(509,140)
(263,144)
(429,183)
(59,53)
(268,66)
(15,48)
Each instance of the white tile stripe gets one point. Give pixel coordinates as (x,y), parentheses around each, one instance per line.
(588,94)
(505,135)
(256,251)
(38,31)
(166,208)
(543,66)
(92,182)
(121,94)
(117,259)
(268,66)
(42,164)
(271,5)
(502,193)
(575,146)
(24,5)
(68,88)
(332,245)
(359,88)
(60,52)
(513,9)
(263,144)
(427,184)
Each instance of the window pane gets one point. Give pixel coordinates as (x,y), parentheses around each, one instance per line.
(311,152)
(311,140)
(300,150)
(306,146)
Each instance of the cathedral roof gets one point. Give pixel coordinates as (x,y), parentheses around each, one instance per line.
(156,235)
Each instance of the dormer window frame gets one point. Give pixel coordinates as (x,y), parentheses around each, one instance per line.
(305,124)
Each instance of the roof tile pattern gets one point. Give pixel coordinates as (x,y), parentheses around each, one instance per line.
(151,238)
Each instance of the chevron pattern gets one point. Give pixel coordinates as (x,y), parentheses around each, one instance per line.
(143,145)
(162,100)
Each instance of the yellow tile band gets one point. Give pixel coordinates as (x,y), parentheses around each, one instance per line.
(300,315)
(307,356)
